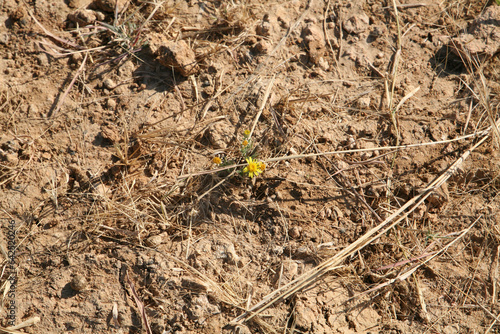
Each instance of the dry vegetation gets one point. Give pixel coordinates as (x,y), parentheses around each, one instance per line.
(378,208)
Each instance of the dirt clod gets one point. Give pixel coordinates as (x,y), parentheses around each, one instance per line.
(357,23)
(111,5)
(315,42)
(483,37)
(177,55)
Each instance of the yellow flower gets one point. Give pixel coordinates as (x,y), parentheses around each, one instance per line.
(245,142)
(247,133)
(262,166)
(217,160)
(253,168)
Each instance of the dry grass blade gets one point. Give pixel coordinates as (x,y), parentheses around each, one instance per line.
(410,271)
(264,101)
(140,305)
(59,104)
(313,275)
(51,35)
(301,156)
(26,323)
(485,101)
(10,331)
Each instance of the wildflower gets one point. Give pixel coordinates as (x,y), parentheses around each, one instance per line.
(253,168)
(246,133)
(245,142)
(262,166)
(217,160)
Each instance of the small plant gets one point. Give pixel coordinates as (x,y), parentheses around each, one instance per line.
(253,168)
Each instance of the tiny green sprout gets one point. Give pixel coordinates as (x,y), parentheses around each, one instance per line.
(246,145)
(254,167)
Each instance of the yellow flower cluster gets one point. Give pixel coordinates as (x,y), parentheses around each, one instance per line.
(254,167)
(217,160)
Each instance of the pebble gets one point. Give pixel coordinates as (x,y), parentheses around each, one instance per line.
(295,232)
(156,240)
(33,110)
(323,64)
(109,84)
(111,104)
(178,55)
(78,283)
(4,38)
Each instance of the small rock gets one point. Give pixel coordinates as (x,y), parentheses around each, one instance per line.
(351,143)
(200,309)
(295,232)
(178,55)
(220,134)
(78,283)
(108,84)
(364,102)
(314,41)
(265,27)
(43,60)
(357,24)
(111,104)
(111,133)
(111,5)
(377,31)
(83,17)
(225,250)
(4,38)
(323,64)
(156,240)
(262,47)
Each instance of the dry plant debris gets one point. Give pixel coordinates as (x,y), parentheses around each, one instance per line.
(251,167)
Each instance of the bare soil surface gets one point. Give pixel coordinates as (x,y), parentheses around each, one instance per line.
(114,112)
